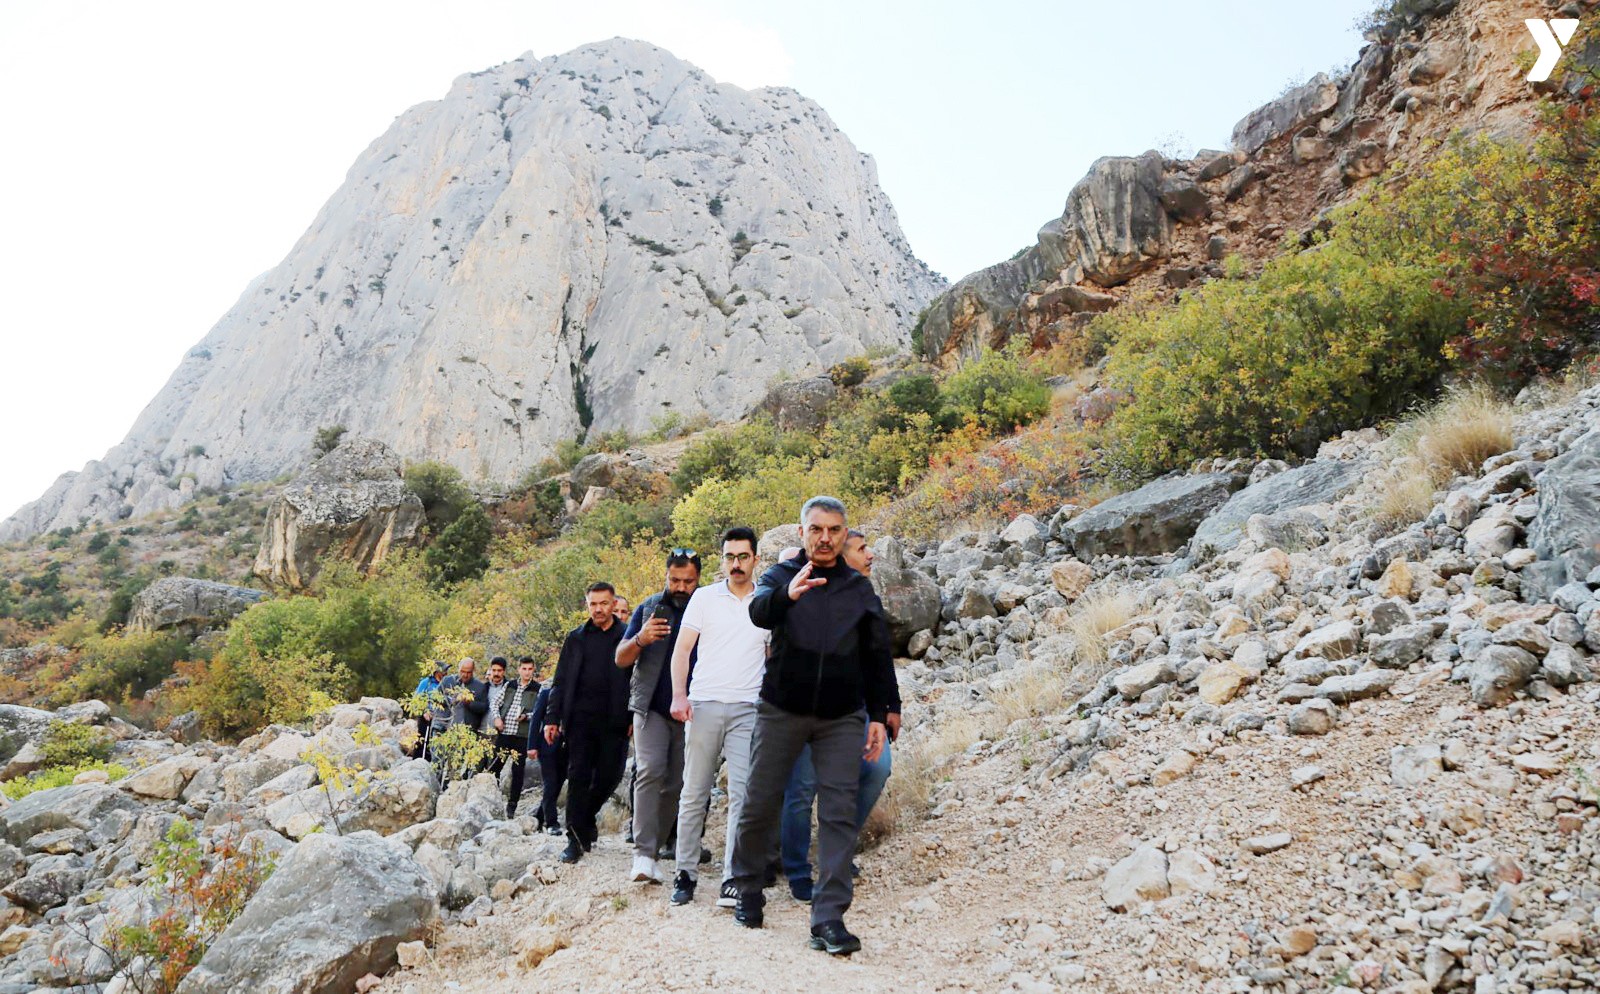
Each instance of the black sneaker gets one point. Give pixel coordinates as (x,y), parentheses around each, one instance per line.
(832,937)
(747,910)
(664,853)
(728,896)
(683,888)
(770,877)
(554,830)
(802,889)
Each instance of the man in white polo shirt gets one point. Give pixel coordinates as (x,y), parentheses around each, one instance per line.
(720,703)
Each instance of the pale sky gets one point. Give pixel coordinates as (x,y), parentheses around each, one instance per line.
(161,155)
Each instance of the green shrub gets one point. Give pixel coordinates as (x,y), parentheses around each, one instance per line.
(851,372)
(116,666)
(1331,338)
(728,453)
(66,743)
(998,392)
(442,490)
(327,439)
(769,496)
(461,551)
(58,776)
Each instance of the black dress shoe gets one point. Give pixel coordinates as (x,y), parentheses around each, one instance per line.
(832,937)
(747,910)
(574,850)
(683,888)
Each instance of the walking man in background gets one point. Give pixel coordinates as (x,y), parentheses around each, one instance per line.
(829,683)
(493,691)
(428,692)
(552,758)
(646,649)
(513,718)
(718,702)
(589,706)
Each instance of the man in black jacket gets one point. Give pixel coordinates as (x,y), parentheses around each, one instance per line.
(829,683)
(552,757)
(589,706)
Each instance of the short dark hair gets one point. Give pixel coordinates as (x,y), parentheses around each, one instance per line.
(499,661)
(600,585)
(854,533)
(527,659)
(683,557)
(740,533)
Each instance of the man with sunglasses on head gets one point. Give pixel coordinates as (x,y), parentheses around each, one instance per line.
(829,683)
(717,697)
(646,648)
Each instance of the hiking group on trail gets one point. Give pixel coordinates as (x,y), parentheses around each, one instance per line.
(788,680)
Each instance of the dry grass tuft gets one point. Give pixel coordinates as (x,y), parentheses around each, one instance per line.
(1404,496)
(1454,436)
(1101,610)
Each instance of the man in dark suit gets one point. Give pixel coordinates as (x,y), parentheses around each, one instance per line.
(589,707)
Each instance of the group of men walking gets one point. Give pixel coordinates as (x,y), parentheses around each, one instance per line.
(788,681)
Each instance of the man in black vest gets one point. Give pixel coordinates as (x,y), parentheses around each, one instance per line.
(589,706)
(646,649)
(829,683)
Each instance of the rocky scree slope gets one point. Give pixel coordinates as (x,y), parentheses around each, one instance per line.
(1154,225)
(1311,754)
(585,241)
(1320,755)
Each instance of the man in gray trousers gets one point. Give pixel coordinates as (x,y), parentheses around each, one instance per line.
(720,704)
(657,736)
(829,683)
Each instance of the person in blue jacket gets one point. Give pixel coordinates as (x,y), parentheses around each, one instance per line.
(427,685)
(552,759)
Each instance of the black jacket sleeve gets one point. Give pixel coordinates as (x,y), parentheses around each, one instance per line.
(561,683)
(479,705)
(770,605)
(879,684)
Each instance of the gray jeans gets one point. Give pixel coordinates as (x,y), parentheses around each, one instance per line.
(658,760)
(715,729)
(836,756)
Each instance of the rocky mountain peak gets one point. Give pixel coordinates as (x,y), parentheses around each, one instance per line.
(582,242)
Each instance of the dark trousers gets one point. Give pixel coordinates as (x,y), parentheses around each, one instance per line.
(553,773)
(836,757)
(511,749)
(597,751)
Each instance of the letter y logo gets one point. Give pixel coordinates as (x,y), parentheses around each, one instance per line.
(1551,36)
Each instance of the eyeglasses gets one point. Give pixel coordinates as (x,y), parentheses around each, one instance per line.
(737,557)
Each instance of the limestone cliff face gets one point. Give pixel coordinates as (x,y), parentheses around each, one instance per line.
(1150,224)
(583,241)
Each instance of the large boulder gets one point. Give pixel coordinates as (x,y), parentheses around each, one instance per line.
(1566,530)
(96,808)
(775,540)
(1294,110)
(623,474)
(910,597)
(188,604)
(401,798)
(801,405)
(1115,225)
(19,726)
(351,502)
(1314,483)
(332,912)
(167,779)
(1158,517)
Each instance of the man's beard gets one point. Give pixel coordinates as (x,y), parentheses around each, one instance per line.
(678,600)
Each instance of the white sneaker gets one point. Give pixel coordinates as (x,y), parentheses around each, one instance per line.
(659,876)
(645,870)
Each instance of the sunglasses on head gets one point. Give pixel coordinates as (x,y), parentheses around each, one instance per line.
(684,554)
